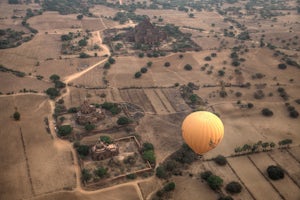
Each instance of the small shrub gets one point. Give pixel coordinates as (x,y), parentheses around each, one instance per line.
(282,66)
(214,182)
(106,65)
(220,160)
(250,105)
(205,175)
(275,172)
(106,139)
(167,64)
(131,176)
(144,70)
(267,112)
(234,187)
(123,121)
(101,172)
(169,187)
(89,127)
(294,114)
(259,94)
(188,67)
(137,74)
(207,58)
(85,175)
(17,116)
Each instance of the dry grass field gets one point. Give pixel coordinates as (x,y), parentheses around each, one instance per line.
(32,161)
(37,165)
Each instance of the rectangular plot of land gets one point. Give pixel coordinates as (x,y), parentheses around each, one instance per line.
(252,178)
(287,162)
(158,105)
(138,97)
(286,187)
(166,102)
(174,97)
(295,151)
(227,175)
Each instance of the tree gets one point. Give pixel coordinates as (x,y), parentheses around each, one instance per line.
(106,139)
(221,72)
(79,17)
(282,66)
(89,127)
(106,65)
(169,187)
(188,67)
(207,58)
(220,160)
(205,175)
(161,172)
(111,60)
(82,42)
(84,55)
(85,175)
(147,146)
(144,70)
(294,114)
(137,74)
(17,116)
(234,187)
(167,64)
(149,64)
(267,112)
(191,15)
(149,156)
(123,121)
(214,182)
(59,84)
(101,172)
(54,77)
(275,172)
(64,130)
(52,92)
(83,150)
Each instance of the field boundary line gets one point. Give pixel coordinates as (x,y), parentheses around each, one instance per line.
(292,155)
(286,172)
(163,103)
(27,163)
(239,178)
(268,180)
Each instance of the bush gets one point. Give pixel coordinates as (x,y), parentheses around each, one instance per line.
(259,94)
(223,93)
(221,72)
(64,130)
(207,58)
(85,175)
(83,150)
(131,176)
(52,92)
(141,55)
(275,172)
(282,66)
(267,112)
(101,172)
(84,55)
(169,187)
(214,182)
(123,121)
(234,187)
(294,114)
(106,139)
(250,105)
(220,160)
(144,70)
(89,127)
(225,198)
(149,156)
(112,107)
(54,77)
(147,146)
(59,84)
(17,116)
(205,175)
(167,64)
(111,60)
(161,172)
(106,65)
(188,67)
(137,74)
(72,110)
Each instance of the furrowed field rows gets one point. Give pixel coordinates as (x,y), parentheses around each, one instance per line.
(253,179)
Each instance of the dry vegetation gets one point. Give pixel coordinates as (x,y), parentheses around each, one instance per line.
(39,165)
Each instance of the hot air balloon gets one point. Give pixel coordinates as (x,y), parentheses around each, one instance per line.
(202,131)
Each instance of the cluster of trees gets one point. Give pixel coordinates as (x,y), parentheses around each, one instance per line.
(260,145)
(82,150)
(176,162)
(148,153)
(114,108)
(143,70)
(123,120)
(54,92)
(10,38)
(14,72)
(292,111)
(282,93)
(215,182)
(65,7)
(164,193)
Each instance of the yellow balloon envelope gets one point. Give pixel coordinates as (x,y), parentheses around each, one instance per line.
(202,131)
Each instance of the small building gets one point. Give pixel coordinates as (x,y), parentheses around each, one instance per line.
(101,151)
(88,114)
